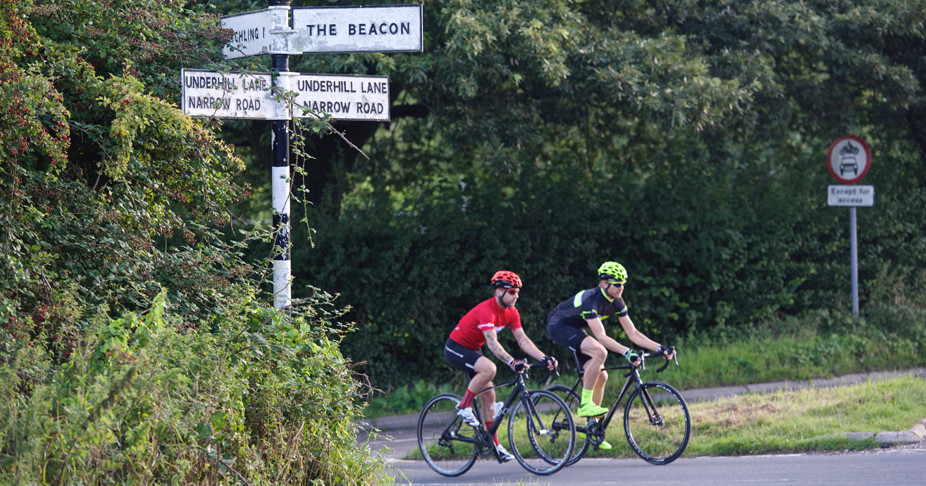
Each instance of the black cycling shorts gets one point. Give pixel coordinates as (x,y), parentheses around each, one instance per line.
(462,357)
(571,337)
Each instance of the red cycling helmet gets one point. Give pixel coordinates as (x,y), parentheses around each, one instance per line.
(503,279)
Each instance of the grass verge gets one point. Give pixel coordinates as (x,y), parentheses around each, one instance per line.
(810,419)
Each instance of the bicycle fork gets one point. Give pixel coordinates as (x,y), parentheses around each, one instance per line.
(654,416)
(533,417)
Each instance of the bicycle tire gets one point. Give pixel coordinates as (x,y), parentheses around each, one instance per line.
(445,442)
(572,401)
(657,423)
(538,445)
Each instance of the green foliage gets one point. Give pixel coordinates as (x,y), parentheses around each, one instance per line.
(686,141)
(135,345)
(262,395)
(716,260)
(406,399)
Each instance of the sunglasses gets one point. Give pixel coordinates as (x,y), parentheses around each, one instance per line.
(512,291)
(617,284)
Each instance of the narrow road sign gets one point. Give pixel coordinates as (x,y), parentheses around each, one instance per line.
(229,95)
(249,96)
(363,98)
(382,28)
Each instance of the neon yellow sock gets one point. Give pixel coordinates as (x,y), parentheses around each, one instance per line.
(587,396)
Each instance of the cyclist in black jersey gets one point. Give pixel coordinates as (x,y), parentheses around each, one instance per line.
(590,309)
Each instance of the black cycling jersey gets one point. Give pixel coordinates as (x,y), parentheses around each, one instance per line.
(587,304)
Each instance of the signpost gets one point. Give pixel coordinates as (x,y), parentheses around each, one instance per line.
(385,28)
(851,196)
(229,95)
(848,160)
(248,96)
(256,32)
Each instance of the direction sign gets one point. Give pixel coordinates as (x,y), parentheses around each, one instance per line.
(382,28)
(364,98)
(248,96)
(257,32)
(229,95)
(848,159)
(851,196)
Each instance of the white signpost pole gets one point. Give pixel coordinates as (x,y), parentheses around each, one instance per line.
(280,183)
(387,28)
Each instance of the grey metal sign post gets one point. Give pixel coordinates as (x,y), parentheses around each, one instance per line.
(848,160)
(386,28)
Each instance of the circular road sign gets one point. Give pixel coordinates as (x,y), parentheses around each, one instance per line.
(848,159)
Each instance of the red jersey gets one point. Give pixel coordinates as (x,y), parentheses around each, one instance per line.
(485,316)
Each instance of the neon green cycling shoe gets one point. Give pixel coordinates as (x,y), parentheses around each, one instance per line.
(591,410)
(605,445)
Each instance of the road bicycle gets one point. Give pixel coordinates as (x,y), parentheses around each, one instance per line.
(656,419)
(541,430)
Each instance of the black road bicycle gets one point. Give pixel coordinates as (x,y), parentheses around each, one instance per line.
(541,431)
(656,419)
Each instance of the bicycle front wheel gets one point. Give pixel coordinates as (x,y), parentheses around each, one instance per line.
(445,442)
(657,423)
(541,432)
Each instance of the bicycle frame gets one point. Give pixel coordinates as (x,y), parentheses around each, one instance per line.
(518,392)
(633,377)
(544,448)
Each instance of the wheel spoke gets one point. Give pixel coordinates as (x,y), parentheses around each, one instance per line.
(538,446)
(444,441)
(657,423)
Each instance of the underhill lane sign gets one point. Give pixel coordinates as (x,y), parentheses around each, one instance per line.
(359,98)
(382,28)
(248,96)
(229,95)
(851,196)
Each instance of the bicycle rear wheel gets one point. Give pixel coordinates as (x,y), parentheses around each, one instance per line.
(541,432)
(657,423)
(572,401)
(445,442)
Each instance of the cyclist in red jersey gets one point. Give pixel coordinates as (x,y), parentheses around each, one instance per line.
(479,326)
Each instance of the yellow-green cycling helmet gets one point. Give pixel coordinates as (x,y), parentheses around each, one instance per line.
(612,272)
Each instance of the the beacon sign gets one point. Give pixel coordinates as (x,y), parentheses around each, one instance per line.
(383,28)
(386,28)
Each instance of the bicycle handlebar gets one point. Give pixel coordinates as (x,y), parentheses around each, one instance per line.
(652,354)
(525,373)
(643,356)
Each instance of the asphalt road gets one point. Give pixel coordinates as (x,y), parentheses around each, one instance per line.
(901,461)
(896,466)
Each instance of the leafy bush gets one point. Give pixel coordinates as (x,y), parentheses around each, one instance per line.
(135,345)
(139,399)
(713,262)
